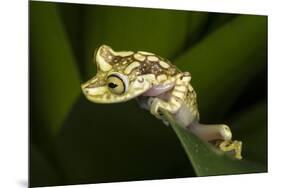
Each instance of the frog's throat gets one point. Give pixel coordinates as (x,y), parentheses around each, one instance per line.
(159,89)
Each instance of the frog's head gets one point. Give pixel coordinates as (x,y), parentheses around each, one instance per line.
(113,82)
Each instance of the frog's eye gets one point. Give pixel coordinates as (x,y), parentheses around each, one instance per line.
(117,83)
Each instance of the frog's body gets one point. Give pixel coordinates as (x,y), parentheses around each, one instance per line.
(158,86)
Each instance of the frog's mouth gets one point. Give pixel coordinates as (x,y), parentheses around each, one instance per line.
(96,94)
(103,95)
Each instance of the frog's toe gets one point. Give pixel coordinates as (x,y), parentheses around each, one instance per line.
(232,147)
(154,106)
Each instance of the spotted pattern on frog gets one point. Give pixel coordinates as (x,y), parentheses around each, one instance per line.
(147,64)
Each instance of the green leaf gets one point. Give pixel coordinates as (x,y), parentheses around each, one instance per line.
(206,161)
(118,142)
(55,82)
(160,31)
(250,126)
(224,62)
(196,23)
(72,16)
(217,20)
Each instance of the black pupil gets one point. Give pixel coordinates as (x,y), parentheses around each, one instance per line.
(112,85)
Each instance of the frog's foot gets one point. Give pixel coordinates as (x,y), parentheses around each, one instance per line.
(159,105)
(231,146)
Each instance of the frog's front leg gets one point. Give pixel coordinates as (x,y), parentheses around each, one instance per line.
(178,94)
(158,105)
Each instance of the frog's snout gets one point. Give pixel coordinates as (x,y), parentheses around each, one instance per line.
(84,88)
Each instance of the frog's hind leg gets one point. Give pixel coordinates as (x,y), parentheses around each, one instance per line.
(220,133)
(211,132)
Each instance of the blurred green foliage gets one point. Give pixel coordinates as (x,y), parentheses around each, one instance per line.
(74,141)
(55,81)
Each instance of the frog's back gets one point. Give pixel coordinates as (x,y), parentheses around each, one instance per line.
(155,64)
(141,63)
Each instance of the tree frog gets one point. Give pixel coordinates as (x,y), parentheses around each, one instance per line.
(158,86)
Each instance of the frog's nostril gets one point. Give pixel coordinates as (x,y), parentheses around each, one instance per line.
(85,90)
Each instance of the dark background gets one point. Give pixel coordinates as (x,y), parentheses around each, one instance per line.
(73,141)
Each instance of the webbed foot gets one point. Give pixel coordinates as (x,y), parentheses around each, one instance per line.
(231,146)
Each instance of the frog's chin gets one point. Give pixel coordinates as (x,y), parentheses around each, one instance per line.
(111,98)
(106,96)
